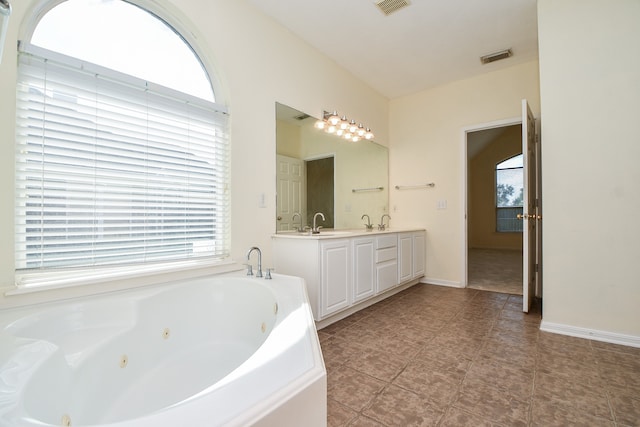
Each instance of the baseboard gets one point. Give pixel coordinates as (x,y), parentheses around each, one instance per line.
(440,282)
(591,334)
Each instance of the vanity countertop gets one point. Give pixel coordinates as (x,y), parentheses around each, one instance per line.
(340,234)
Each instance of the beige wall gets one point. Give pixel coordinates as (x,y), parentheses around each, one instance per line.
(288,139)
(258,63)
(427,145)
(481,207)
(590,86)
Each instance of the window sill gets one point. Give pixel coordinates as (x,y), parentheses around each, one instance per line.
(99,282)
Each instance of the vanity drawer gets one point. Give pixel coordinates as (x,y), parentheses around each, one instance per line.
(386,254)
(387,241)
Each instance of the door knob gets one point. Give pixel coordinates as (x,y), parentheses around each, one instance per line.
(279,218)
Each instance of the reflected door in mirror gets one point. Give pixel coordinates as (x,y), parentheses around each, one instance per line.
(290,179)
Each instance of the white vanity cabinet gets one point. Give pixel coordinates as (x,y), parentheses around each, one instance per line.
(347,271)
(411,255)
(363,268)
(419,254)
(335,276)
(386,262)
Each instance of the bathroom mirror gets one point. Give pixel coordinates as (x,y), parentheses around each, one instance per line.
(319,172)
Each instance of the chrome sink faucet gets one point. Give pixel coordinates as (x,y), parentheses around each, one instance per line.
(297,214)
(316,229)
(249,269)
(381,226)
(368,224)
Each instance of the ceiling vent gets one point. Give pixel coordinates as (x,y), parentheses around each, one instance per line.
(302,116)
(496,56)
(389,6)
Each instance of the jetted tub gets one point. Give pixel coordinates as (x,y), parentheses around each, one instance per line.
(223,350)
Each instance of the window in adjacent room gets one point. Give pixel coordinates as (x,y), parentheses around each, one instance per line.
(122,155)
(509,194)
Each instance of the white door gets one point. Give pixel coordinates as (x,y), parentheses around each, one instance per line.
(290,178)
(529,214)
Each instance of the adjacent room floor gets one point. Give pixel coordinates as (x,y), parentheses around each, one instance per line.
(497,270)
(438,356)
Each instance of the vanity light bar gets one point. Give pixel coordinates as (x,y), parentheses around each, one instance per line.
(340,126)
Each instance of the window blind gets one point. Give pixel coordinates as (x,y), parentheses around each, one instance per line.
(114,171)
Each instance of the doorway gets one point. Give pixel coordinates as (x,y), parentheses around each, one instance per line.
(494,199)
(531,215)
(320,175)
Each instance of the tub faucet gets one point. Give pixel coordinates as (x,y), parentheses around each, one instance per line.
(297,214)
(316,229)
(368,224)
(381,226)
(249,270)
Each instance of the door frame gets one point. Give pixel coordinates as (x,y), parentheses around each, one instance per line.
(465,197)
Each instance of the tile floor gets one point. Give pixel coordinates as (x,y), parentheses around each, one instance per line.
(497,270)
(438,356)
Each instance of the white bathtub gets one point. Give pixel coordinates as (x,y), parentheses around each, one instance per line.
(224,350)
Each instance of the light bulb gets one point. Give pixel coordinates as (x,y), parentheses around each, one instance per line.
(334,119)
(368,134)
(340,132)
(331,129)
(361,130)
(355,138)
(344,123)
(348,135)
(320,124)
(352,126)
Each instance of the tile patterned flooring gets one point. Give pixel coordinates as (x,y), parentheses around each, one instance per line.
(497,270)
(438,356)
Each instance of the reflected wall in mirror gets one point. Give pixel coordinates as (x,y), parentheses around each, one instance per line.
(318,172)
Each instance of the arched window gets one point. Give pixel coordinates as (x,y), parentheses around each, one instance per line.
(122,154)
(509,194)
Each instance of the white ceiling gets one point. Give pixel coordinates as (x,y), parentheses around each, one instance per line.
(428,43)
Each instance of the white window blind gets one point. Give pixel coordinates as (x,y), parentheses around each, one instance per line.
(112,171)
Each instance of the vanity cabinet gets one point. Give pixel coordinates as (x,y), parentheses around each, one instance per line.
(346,273)
(411,255)
(419,254)
(386,262)
(335,276)
(363,268)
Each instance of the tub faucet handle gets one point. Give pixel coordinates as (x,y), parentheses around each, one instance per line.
(249,269)
(267,276)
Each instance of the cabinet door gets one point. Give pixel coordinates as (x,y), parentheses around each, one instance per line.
(335,276)
(363,271)
(405,257)
(419,245)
